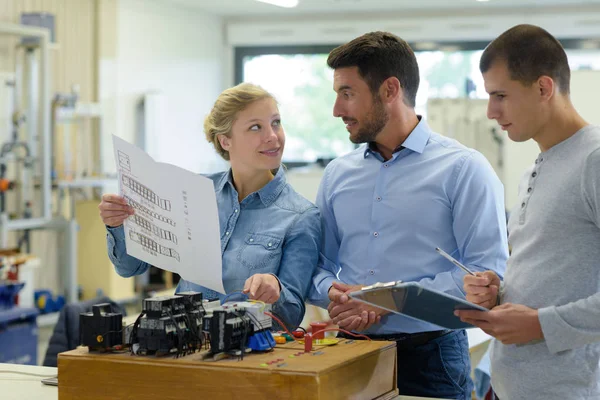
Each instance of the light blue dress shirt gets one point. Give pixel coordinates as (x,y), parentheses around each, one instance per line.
(272,231)
(382,220)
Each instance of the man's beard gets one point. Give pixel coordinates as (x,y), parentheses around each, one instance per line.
(374,123)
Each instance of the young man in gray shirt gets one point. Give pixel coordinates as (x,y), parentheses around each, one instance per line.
(547,317)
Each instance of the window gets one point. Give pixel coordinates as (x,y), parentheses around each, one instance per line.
(303,86)
(448,74)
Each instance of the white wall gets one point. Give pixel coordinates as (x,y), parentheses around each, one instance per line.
(306,180)
(179,53)
(517,158)
(585,86)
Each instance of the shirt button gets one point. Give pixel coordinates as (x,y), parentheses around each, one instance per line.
(227,233)
(376,234)
(378,198)
(529,190)
(523,205)
(269,244)
(385,165)
(372,272)
(235,210)
(534,174)
(251,240)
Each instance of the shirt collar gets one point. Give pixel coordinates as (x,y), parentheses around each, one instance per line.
(268,193)
(225,179)
(416,140)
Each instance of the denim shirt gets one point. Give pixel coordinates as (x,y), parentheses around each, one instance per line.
(272,231)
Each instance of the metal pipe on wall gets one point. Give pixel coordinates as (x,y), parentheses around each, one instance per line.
(45,113)
(45,108)
(44,105)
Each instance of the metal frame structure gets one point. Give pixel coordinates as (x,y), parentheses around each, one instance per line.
(45,220)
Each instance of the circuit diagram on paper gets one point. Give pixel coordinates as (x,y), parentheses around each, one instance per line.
(166,231)
(151,212)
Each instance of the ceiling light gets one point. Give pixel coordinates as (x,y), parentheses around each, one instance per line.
(482,1)
(281,3)
(424,46)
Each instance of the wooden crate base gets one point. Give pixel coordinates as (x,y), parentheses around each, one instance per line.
(348,370)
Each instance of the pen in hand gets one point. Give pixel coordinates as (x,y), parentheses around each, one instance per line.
(454,261)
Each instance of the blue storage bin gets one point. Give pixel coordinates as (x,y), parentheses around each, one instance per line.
(18,336)
(8,291)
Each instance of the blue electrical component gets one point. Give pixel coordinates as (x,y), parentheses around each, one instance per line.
(238,326)
(46,303)
(261,341)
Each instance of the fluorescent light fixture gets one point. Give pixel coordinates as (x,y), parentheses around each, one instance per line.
(281,3)
(426,46)
(589,44)
(450,48)
(482,1)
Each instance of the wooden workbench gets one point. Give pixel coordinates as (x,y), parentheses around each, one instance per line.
(347,370)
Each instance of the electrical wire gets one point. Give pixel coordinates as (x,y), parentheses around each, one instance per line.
(190,342)
(196,338)
(121,330)
(302,329)
(320,330)
(281,324)
(245,328)
(264,305)
(224,299)
(180,336)
(27,374)
(133,333)
(196,332)
(255,320)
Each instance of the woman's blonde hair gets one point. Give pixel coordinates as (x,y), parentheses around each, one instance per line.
(225,110)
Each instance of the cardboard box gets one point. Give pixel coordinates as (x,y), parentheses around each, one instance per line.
(95,271)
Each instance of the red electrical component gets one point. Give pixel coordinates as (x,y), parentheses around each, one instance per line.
(308,343)
(317,328)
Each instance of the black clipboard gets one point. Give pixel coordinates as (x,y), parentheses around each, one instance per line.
(416,301)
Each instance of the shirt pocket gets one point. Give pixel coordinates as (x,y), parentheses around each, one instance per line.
(260,251)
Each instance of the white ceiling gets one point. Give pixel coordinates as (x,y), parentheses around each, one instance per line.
(241,8)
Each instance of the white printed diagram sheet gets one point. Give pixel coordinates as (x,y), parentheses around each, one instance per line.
(175,225)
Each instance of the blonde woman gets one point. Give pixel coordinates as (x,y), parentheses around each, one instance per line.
(270,235)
